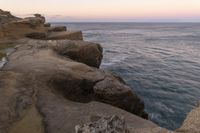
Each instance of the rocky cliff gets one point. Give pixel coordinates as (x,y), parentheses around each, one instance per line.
(52,84)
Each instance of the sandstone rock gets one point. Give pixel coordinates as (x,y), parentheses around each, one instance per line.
(6,17)
(62,115)
(77,35)
(18,30)
(63,90)
(112,124)
(39,16)
(21,27)
(85,52)
(32,21)
(36,35)
(57,29)
(192,122)
(150,130)
(76,81)
(110,91)
(15,98)
(33,27)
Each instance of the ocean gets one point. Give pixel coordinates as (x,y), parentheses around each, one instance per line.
(160,61)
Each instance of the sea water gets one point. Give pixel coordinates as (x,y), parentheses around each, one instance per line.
(160,61)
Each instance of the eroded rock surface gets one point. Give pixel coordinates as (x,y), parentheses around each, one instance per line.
(62,90)
(71,35)
(57,29)
(6,17)
(113,124)
(33,27)
(192,122)
(76,81)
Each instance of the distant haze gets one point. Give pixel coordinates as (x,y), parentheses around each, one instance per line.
(108,10)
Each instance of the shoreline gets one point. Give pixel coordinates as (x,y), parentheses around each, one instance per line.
(63,73)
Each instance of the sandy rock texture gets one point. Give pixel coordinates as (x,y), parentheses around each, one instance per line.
(60,92)
(192,122)
(33,27)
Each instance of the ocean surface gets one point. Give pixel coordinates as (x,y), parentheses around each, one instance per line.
(160,61)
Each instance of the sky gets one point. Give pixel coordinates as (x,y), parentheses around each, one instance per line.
(107,10)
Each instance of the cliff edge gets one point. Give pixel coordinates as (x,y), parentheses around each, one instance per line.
(51,83)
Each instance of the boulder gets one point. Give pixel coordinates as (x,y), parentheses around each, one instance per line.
(57,28)
(71,35)
(85,52)
(120,95)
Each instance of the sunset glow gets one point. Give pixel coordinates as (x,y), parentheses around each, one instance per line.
(108,10)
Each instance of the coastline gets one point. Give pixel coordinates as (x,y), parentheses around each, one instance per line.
(77,65)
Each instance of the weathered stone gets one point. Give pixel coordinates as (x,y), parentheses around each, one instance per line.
(192,122)
(85,52)
(33,27)
(42,18)
(113,124)
(64,89)
(6,17)
(36,35)
(76,81)
(110,91)
(57,29)
(15,98)
(77,35)
(62,115)
(31,21)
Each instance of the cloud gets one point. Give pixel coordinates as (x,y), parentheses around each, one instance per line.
(60,18)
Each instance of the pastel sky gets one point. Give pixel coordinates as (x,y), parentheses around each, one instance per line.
(108,10)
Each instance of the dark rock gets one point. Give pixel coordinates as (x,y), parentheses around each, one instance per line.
(47,25)
(113,92)
(38,15)
(36,35)
(57,29)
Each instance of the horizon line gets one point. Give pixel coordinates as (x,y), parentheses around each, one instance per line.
(123,21)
